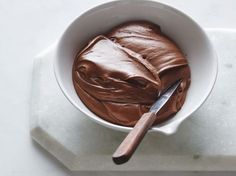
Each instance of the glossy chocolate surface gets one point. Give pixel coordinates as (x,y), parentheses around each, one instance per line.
(120,74)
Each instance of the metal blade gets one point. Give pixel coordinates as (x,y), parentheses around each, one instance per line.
(164,97)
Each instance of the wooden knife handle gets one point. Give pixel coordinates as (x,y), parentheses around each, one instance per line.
(132,140)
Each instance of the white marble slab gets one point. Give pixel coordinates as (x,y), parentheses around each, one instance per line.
(206,141)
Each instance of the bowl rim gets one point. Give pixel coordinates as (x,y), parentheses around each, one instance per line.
(124,128)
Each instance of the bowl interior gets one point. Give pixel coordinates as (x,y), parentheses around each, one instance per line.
(185,32)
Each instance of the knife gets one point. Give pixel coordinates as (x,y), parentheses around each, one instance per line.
(126,149)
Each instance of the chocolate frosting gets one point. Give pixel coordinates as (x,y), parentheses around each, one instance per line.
(119,75)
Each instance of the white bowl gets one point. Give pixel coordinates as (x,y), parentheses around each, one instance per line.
(189,36)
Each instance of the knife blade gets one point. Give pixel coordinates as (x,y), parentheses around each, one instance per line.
(132,140)
(164,97)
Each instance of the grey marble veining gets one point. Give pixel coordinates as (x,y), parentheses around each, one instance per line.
(205,141)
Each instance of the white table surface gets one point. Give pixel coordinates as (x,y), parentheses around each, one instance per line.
(26,28)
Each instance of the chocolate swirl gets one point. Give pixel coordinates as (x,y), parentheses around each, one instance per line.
(120,75)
